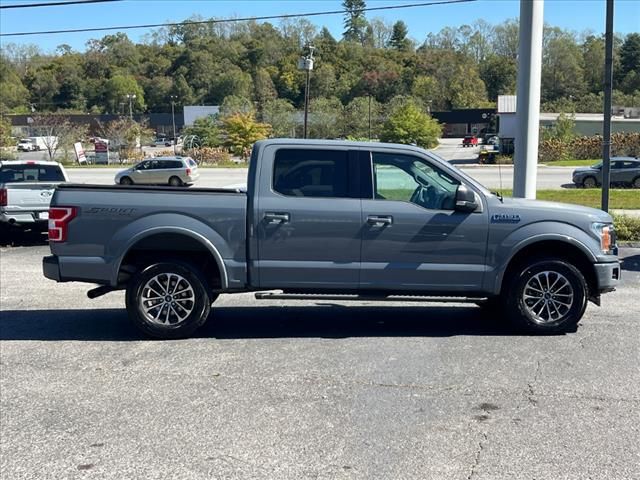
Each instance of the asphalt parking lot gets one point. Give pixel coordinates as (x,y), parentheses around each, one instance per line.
(311,391)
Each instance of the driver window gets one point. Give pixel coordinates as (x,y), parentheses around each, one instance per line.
(411,179)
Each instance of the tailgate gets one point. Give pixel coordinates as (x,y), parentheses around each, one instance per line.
(29,196)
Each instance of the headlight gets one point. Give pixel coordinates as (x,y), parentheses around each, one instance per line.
(607,236)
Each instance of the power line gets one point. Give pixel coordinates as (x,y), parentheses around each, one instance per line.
(232,20)
(55,4)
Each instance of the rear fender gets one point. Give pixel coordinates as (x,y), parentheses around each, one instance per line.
(144,227)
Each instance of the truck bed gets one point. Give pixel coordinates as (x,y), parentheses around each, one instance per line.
(112,219)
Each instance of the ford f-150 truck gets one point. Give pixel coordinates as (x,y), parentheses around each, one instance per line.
(333,220)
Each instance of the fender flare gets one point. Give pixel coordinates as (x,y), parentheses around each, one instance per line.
(181,231)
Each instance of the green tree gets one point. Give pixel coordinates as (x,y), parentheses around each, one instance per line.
(281,115)
(116,90)
(325,117)
(499,75)
(399,39)
(242,131)
(206,130)
(355,23)
(357,115)
(410,125)
(14,94)
(234,104)
(630,63)
(5,133)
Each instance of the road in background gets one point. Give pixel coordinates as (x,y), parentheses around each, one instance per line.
(323,390)
(494,177)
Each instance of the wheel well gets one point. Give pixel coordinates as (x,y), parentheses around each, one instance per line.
(170,246)
(554,249)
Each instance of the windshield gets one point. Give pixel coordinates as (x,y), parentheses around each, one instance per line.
(30,173)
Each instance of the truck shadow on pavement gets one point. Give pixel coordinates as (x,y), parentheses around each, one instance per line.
(317,321)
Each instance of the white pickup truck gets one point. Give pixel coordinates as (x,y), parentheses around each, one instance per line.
(26,188)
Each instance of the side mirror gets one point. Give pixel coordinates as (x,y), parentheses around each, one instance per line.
(465,200)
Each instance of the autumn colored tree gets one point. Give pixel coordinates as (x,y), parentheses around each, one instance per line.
(242,131)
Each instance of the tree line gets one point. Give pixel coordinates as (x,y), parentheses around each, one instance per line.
(256,64)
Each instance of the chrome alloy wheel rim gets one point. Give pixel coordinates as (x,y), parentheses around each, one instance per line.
(548,297)
(167,299)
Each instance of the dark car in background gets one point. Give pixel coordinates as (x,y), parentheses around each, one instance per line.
(625,171)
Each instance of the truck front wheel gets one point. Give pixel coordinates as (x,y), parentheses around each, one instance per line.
(546,296)
(168,300)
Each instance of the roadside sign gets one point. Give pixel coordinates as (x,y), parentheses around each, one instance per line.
(80,156)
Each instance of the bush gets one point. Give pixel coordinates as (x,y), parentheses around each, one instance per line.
(408,124)
(584,148)
(210,155)
(627,227)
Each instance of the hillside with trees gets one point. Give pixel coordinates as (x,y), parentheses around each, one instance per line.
(255,64)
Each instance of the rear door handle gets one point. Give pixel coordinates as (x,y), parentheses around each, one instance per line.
(276,217)
(379,220)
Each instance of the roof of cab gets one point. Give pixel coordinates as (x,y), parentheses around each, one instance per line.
(337,143)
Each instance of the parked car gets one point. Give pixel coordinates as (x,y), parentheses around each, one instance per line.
(348,220)
(469,141)
(625,171)
(26,188)
(162,142)
(174,171)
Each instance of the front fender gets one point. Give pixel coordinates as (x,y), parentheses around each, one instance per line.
(144,227)
(533,233)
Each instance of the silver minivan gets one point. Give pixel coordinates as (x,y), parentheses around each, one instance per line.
(174,171)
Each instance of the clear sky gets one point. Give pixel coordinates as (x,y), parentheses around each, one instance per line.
(576,15)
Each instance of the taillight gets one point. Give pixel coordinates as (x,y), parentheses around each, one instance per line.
(59,218)
(188,172)
(3,197)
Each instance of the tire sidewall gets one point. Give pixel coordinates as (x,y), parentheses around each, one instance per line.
(518,312)
(126,181)
(175,183)
(183,329)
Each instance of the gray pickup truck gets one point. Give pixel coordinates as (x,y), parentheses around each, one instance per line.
(333,220)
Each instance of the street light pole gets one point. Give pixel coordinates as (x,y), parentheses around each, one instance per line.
(131,97)
(369,117)
(306,63)
(173,120)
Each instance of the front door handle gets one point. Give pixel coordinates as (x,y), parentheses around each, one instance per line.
(276,217)
(379,220)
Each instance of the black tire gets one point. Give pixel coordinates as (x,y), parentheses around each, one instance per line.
(518,306)
(126,181)
(175,181)
(635,183)
(589,182)
(143,286)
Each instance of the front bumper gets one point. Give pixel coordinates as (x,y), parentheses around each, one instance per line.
(607,276)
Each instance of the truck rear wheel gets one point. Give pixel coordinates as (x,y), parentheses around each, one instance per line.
(168,300)
(546,296)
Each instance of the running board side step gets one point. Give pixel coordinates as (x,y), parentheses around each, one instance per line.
(366,298)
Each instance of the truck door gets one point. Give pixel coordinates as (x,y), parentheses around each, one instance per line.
(307,218)
(413,239)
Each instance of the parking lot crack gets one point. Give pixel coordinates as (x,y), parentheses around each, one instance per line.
(531,394)
(476,460)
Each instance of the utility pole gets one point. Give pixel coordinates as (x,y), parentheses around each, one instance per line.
(369,117)
(606,126)
(173,120)
(528,101)
(306,63)
(131,97)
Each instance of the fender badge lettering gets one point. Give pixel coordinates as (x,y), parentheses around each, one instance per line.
(505,218)
(110,211)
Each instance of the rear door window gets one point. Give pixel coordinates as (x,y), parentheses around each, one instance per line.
(311,173)
(31,173)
